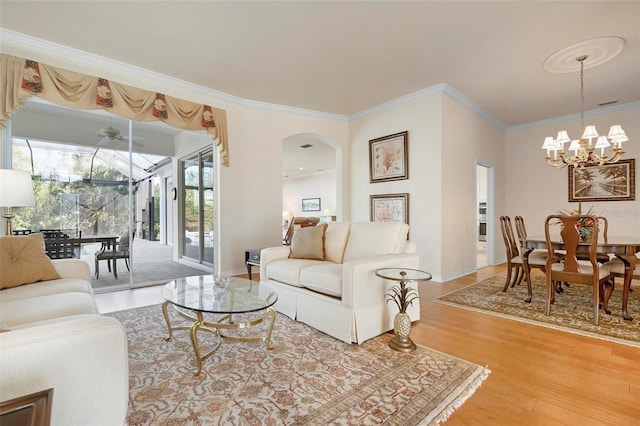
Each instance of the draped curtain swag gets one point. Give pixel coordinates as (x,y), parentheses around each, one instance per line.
(20,79)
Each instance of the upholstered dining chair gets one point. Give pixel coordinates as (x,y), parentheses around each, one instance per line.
(107,253)
(569,268)
(515,271)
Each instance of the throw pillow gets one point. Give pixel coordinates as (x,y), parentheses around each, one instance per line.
(23,261)
(308,243)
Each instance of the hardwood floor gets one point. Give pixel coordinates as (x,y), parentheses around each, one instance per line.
(539,376)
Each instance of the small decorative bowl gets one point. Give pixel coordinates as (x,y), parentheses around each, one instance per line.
(222,282)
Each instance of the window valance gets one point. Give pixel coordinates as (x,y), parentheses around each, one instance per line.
(22,78)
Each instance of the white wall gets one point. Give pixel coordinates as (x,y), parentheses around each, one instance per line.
(535,190)
(468,138)
(421,117)
(319,185)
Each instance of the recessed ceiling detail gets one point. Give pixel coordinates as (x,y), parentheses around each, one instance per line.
(598,50)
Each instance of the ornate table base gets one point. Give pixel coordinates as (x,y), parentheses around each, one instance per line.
(225,322)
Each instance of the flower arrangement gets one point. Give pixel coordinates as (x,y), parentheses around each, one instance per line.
(585,225)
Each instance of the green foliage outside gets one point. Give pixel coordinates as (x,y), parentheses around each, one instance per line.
(101,209)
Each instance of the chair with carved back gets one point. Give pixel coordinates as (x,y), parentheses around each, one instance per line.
(535,259)
(515,271)
(570,268)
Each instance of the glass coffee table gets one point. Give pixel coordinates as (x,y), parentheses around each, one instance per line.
(195,297)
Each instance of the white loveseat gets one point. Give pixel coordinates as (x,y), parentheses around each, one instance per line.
(341,295)
(53,337)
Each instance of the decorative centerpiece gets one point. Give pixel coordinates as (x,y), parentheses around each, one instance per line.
(585,226)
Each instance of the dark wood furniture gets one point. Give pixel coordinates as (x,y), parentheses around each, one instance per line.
(623,247)
(251,258)
(569,269)
(112,250)
(29,410)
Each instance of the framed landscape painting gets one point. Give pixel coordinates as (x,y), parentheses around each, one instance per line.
(390,208)
(610,182)
(311,204)
(389,158)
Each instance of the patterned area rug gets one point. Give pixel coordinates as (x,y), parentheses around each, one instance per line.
(572,310)
(308,378)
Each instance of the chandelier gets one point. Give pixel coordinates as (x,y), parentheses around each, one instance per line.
(589,150)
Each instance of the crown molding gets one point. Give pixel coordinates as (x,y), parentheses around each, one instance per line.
(576,116)
(443,88)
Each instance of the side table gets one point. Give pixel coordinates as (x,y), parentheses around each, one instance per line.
(403,297)
(251,258)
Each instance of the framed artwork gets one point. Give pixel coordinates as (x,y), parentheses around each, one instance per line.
(390,208)
(389,158)
(311,204)
(610,182)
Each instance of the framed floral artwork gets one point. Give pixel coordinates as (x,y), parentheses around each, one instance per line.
(609,182)
(389,208)
(389,158)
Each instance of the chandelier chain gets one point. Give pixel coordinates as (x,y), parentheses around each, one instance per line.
(582,59)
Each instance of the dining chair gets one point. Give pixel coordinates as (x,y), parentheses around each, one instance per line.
(536,258)
(515,270)
(616,267)
(106,253)
(57,244)
(569,268)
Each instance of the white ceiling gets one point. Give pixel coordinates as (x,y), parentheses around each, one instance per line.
(347,56)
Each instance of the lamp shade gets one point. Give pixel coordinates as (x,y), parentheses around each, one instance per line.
(616,134)
(563,137)
(590,132)
(16,189)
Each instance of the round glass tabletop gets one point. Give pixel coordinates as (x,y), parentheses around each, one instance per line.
(403,274)
(200,293)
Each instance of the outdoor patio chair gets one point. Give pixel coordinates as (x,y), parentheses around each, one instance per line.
(106,253)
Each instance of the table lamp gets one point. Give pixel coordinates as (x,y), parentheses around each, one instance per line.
(16,190)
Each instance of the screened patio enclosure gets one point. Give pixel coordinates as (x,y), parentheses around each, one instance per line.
(89,186)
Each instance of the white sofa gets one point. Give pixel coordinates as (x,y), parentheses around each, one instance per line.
(54,338)
(341,295)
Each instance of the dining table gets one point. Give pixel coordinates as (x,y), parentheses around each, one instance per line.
(623,247)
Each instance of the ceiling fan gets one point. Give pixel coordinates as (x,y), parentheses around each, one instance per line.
(110,134)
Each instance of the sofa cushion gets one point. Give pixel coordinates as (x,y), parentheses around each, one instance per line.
(287,270)
(325,278)
(308,243)
(35,309)
(44,288)
(368,239)
(23,261)
(335,240)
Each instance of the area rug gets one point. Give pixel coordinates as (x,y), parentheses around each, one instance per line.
(308,378)
(572,310)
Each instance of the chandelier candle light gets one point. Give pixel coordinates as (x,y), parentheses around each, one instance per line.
(585,151)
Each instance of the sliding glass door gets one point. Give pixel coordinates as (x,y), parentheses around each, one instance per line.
(83,174)
(198,212)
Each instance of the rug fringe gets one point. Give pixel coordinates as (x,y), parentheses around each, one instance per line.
(455,400)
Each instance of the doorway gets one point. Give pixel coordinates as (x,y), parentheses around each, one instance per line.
(482,211)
